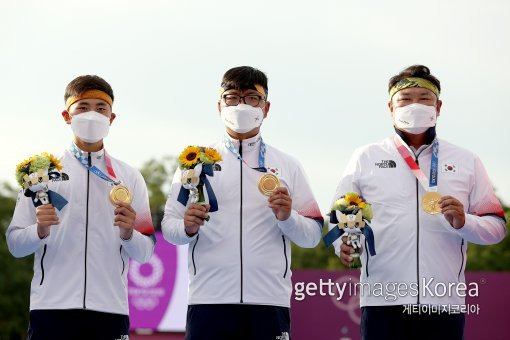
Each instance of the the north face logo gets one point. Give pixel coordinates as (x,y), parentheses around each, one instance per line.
(57,176)
(388,163)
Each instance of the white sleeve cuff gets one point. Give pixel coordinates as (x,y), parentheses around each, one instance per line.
(470,224)
(33,234)
(289,223)
(182,233)
(134,235)
(139,247)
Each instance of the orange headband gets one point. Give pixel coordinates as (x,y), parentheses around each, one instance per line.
(89,94)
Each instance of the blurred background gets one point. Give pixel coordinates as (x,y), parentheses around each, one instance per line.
(328,64)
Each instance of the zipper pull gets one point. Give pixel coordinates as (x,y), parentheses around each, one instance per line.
(89,160)
(240,147)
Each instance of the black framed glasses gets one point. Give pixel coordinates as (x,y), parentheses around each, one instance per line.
(250,99)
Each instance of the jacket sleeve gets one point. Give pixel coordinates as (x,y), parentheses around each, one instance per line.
(304,226)
(141,244)
(173,221)
(348,183)
(22,237)
(485,218)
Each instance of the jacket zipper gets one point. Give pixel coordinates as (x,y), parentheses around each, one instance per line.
(241,218)
(286,259)
(417,238)
(42,265)
(89,161)
(418,234)
(366,249)
(193,256)
(418,231)
(462,263)
(123,264)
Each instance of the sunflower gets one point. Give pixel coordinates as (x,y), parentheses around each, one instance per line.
(213,155)
(55,162)
(351,203)
(23,164)
(189,156)
(353,199)
(21,171)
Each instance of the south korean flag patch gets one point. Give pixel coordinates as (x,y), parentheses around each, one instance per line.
(274,171)
(450,167)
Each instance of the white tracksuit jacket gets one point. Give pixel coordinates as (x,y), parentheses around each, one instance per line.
(242,255)
(83,263)
(412,246)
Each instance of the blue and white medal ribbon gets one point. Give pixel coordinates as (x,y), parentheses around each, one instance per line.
(262,153)
(79,155)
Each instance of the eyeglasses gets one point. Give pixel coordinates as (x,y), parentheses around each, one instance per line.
(235,99)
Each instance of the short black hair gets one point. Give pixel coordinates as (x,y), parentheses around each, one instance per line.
(243,78)
(88,82)
(418,71)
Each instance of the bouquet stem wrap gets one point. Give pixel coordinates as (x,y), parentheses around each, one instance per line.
(207,170)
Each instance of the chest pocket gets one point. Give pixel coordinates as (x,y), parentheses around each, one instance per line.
(388,183)
(456,185)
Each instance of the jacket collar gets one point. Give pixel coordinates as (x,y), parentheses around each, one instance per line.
(430,135)
(84,154)
(249,145)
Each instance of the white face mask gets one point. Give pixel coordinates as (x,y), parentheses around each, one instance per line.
(415,118)
(242,118)
(90,126)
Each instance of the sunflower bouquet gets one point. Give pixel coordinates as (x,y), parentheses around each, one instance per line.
(350,214)
(33,175)
(196,163)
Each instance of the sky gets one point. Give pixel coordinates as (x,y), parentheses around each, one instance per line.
(328,64)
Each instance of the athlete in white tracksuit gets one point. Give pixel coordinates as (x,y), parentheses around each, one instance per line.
(416,251)
(79,288)
(239,261)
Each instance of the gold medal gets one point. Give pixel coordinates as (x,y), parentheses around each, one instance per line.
(120,193)
(429,202)
(268,183)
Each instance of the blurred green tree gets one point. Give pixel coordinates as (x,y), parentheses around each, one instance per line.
(158,174)
(490,258)
(319,257)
